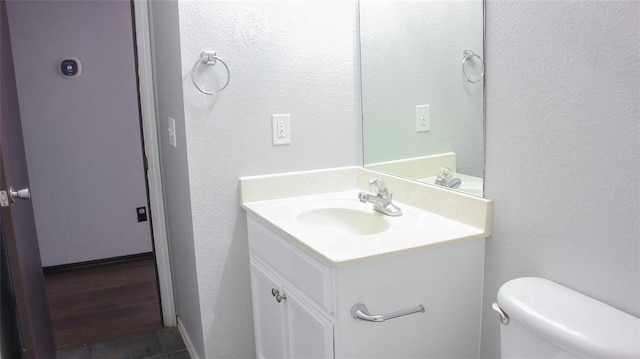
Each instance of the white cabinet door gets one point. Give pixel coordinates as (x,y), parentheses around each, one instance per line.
(310,334)
(268,316)
(290,328)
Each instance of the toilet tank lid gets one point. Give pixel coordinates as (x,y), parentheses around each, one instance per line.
(571,320)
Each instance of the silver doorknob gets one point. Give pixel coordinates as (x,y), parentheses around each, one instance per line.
(279,297)
(19,194)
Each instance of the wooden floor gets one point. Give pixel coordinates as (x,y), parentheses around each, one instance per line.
(98,304)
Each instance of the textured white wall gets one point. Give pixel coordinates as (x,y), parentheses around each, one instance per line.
(562,97)
(411,55)
(563,149)
(285,57)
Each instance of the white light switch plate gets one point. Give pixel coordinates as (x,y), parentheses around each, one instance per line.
(281,125)
(423,118)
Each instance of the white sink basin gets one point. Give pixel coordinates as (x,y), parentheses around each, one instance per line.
(345,220)
(340,228)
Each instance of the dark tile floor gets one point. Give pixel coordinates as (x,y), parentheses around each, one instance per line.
(163,344)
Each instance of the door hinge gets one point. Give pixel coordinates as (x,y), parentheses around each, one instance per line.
(4,199)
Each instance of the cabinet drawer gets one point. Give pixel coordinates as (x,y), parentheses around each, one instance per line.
(309,275)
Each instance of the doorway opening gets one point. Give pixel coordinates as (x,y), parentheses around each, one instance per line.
(83,225)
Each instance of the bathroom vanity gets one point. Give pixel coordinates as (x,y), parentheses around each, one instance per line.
(332,278)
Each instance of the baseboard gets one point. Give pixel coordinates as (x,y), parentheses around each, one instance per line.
(96,263)
(187,341)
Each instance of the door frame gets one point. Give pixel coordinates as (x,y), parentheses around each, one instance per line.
(152,153)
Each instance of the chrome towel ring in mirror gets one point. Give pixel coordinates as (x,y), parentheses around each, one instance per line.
(209,58)
(467,56)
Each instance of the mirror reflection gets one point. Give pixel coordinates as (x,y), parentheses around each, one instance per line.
(423,90)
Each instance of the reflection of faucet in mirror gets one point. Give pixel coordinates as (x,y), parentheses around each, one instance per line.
(445,178)
(381,199)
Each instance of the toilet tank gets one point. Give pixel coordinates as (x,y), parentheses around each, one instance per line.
(547,320)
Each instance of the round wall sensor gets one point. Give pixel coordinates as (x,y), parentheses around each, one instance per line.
(70,67)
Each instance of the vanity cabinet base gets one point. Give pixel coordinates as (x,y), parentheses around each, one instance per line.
(315,319)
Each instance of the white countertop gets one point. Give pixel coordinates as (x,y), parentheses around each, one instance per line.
(431,215)
(415,228)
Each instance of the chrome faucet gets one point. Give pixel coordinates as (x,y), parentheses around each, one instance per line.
(381,199)
(445,178)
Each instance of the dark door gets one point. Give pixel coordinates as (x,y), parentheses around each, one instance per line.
(10,336)
(17,219)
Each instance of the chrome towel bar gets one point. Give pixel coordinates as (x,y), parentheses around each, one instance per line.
(360,312)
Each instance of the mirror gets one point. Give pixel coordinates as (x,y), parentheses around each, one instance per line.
(423,89)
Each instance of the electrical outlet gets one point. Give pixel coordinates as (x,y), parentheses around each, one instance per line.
(423,118)
(281,125)
(142,214)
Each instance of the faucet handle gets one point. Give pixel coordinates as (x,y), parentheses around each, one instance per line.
(445,175)
(377,186)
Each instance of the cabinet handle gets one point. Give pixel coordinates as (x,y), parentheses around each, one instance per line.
(360,312)
(276,293)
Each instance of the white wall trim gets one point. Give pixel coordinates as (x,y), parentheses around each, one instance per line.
(154,176)
(187,341)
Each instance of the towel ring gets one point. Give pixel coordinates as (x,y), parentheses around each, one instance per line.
(466,56)
(209,58)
